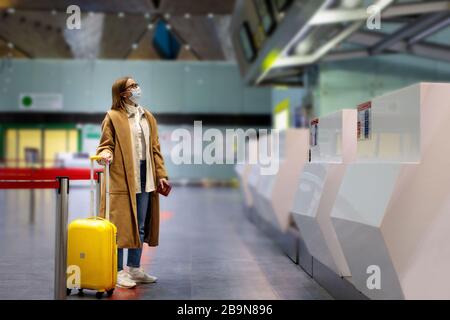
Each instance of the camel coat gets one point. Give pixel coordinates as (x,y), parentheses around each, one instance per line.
(116,138)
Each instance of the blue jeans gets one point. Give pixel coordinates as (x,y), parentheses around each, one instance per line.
(142,201)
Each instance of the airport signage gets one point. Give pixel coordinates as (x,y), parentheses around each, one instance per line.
(364,121)
(40,101)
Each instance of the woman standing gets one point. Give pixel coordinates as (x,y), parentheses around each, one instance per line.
(130,143)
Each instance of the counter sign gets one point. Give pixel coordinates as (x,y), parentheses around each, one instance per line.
(365,121)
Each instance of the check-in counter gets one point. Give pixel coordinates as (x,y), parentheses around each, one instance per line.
(392,209)
(244,170)
(333,146)
(273,193)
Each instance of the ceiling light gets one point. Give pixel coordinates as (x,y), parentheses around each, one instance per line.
(11,10)
(134,46)
(304,46)
(167,16)
(147,15)
(10,45)
(121,14)
(168,26)
(187,15)
(210,15)
(187,47)
(53,12)
(150,26)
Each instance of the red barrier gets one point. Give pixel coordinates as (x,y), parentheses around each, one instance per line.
(45,174)
(29,185)
(39,161)
(28,178)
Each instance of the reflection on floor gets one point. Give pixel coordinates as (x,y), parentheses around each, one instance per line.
(208,250)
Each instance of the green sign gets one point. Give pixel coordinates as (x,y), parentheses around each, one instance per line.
(27,101)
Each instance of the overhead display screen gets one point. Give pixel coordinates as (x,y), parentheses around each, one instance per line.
(165,42)
(247,43)
(266,15)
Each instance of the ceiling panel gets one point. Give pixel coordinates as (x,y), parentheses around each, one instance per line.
(175,7)
(35,34)
(38,28)
(132,6)
(199,32)
(197,7)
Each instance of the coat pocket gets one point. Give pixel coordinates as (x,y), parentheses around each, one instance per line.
(121,215)
(119,204)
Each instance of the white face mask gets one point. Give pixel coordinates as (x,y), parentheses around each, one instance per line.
(135,95)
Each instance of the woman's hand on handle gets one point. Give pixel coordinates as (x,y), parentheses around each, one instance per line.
(106,158)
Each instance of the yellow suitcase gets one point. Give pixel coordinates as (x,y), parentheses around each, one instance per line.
(92,248)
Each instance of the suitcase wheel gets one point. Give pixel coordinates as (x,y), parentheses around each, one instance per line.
(68,291)
(80,292)
(110,292)
(99,294)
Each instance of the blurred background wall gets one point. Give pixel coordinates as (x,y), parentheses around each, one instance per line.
(170,90)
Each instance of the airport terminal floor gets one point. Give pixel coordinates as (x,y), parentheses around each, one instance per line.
(208,250)
(306,142)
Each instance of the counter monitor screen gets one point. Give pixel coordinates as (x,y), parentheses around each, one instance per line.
(266,15)
(247,43)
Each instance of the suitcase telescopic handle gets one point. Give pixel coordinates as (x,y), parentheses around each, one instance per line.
(92,211)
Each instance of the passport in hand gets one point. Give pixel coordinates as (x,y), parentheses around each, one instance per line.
(164,190)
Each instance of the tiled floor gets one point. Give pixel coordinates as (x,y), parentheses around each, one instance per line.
(208,250)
